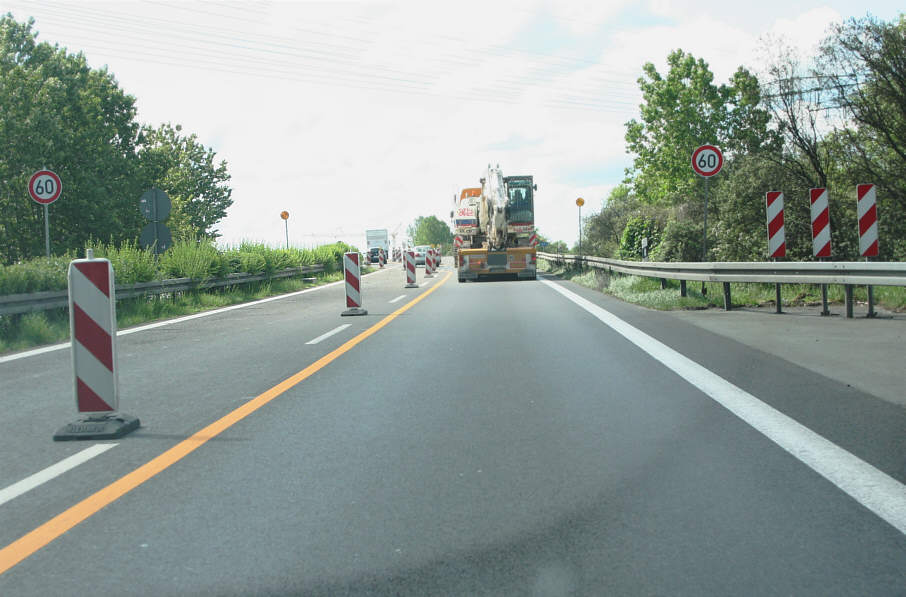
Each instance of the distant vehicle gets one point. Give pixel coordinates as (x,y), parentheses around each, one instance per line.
(374,255)
(421,252)
(377,239)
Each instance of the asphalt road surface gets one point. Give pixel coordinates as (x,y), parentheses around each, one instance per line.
(495,438)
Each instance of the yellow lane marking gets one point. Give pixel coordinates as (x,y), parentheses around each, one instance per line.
(31,542)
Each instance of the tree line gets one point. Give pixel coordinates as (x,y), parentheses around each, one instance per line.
(835,122)
(60,114)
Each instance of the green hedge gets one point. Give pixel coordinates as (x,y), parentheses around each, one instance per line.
(188,259)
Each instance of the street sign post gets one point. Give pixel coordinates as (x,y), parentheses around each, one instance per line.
(284,215)
(45,187)
(707,161)
(580,202)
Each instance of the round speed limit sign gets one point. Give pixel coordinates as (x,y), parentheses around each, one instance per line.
(44,187)
(707,160)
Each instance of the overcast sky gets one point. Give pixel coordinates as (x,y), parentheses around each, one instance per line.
(367,115)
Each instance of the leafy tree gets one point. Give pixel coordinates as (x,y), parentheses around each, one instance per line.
(637,228)
(60,114)
(187,171)
(430,231)
(681,111)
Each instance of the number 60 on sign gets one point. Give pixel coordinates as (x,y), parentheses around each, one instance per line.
(707,160)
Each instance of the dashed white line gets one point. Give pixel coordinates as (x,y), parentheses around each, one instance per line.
(399,298)
(51,472)
(874,489)
(336,330)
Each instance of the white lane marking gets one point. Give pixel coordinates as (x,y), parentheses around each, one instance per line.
(160,324)
(399,298)
(877,491)
(54,470)
(427,281)
(336,330)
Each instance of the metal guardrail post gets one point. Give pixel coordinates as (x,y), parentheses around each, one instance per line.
(682,288)
(727,302)
(779,306)
(848,294)
(871,302)
(824,310)
(663,283)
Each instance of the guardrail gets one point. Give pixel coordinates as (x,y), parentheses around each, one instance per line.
(42,301)
(845,273)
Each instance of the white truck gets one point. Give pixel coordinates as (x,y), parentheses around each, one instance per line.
(376,240)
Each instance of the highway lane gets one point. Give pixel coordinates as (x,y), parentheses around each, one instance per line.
(493,439)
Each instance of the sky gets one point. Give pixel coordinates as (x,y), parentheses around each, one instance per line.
(363,115)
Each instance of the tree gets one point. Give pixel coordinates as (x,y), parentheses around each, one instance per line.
(863,62)
(186,170)
(430,231)
(60,114)
(681,111)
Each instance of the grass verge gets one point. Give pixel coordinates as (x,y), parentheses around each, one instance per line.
(19,332)
(647,292)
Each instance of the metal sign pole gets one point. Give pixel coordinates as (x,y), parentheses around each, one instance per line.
(287,233)
(47,230)
(705,236)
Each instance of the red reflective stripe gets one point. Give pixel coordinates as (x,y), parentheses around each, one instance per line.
(820,223)
(863,189)
(815,193)
(775,225)
(352,280)
(773,195)
(97,273)
(868,219)
(781,251)
(88,401)
(92,337)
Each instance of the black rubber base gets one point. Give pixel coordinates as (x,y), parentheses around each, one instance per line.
(110,427)
(354,311)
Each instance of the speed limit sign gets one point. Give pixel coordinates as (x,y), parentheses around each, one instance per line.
(707,160)
(44,187)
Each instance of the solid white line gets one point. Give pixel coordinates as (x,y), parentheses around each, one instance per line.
(55,470)
(877,491)
(336,330)
(160,324)
(399,298)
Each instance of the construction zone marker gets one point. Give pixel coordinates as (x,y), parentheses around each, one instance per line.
(353,272)
(92,325)
(410,269)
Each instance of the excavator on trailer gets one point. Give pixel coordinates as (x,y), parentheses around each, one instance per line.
(495,228)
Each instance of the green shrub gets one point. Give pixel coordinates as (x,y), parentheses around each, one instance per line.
(196,259)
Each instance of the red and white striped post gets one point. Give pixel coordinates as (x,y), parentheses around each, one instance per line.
(821,234)
(382,259)
(353,275)
(92,324)
(776,235)
(868,230)
(868,220)
(410,269)
(429,263)
(776,232)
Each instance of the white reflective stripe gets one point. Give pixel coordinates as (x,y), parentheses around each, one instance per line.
(336,330)
(94,374)
(869,238)
(776,240)
(92,301)
(775,208)
(866,202)
(819,205)
(821,239)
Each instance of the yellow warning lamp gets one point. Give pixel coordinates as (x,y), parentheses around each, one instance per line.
(284,215)
(580,201)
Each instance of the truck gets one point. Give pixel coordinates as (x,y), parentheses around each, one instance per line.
(495,228)
(376,240)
